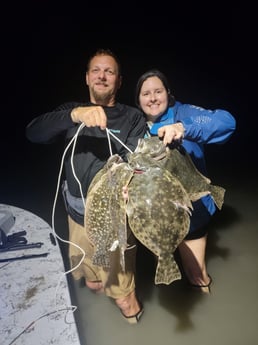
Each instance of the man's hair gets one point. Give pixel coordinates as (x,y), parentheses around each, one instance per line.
(104,52)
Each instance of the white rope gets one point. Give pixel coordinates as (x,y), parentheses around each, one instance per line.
(109,142)
(113,135)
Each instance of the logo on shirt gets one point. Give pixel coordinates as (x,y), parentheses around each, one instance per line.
(115,130)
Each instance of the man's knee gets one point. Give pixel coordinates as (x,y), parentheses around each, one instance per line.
(96,286)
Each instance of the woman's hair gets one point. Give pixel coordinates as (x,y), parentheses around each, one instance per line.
(164,80)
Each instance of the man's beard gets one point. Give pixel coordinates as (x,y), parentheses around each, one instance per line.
(101,98)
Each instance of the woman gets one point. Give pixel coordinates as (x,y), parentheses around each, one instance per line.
(193,127)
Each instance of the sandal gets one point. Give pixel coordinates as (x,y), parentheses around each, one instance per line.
(203,288)
(134,319)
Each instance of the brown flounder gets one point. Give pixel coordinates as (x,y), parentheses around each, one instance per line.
(179,163)
(161,184)
(105,214)
(158,211)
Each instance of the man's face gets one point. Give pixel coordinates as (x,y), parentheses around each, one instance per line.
(103,80)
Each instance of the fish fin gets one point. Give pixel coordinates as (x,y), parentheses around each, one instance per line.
(198,195)
(166,274)
(218,194)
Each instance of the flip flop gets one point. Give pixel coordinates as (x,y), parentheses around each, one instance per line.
(203,288)
(134,319)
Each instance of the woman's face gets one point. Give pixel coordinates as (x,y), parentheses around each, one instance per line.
(153,97)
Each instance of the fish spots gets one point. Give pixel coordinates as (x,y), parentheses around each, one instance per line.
(155,204)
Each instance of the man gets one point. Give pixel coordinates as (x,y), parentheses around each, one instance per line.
(103,78)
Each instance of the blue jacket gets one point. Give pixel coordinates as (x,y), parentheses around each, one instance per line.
(202,126)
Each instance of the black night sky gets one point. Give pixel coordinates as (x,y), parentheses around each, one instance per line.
(207,53)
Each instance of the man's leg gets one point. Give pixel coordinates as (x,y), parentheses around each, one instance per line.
(96,286)
(129,305)
(115,283)
(120,285)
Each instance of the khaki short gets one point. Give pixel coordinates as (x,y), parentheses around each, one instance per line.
(116,283)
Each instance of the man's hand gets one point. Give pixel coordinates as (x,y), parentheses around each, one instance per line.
(90,116)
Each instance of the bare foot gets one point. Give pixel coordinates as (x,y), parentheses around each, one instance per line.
(129,305)
(203,286)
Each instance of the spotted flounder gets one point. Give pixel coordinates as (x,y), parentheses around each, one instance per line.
(158,211)
(105,213)
(157,207)
(178,162)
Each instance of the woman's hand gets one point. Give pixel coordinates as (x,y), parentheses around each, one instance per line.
(171,133)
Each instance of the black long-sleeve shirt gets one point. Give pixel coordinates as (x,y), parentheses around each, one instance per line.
(92,146)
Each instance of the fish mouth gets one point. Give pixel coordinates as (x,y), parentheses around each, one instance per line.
(138,171)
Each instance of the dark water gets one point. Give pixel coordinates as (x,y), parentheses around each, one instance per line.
(175,314)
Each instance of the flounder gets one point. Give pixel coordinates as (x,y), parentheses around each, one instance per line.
(179,163)
(161,184)
(158,211)
(105,214)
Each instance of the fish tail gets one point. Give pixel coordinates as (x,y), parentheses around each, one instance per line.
(166,275)
(218,194)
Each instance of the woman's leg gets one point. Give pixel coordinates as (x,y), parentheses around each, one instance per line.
(192,254)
